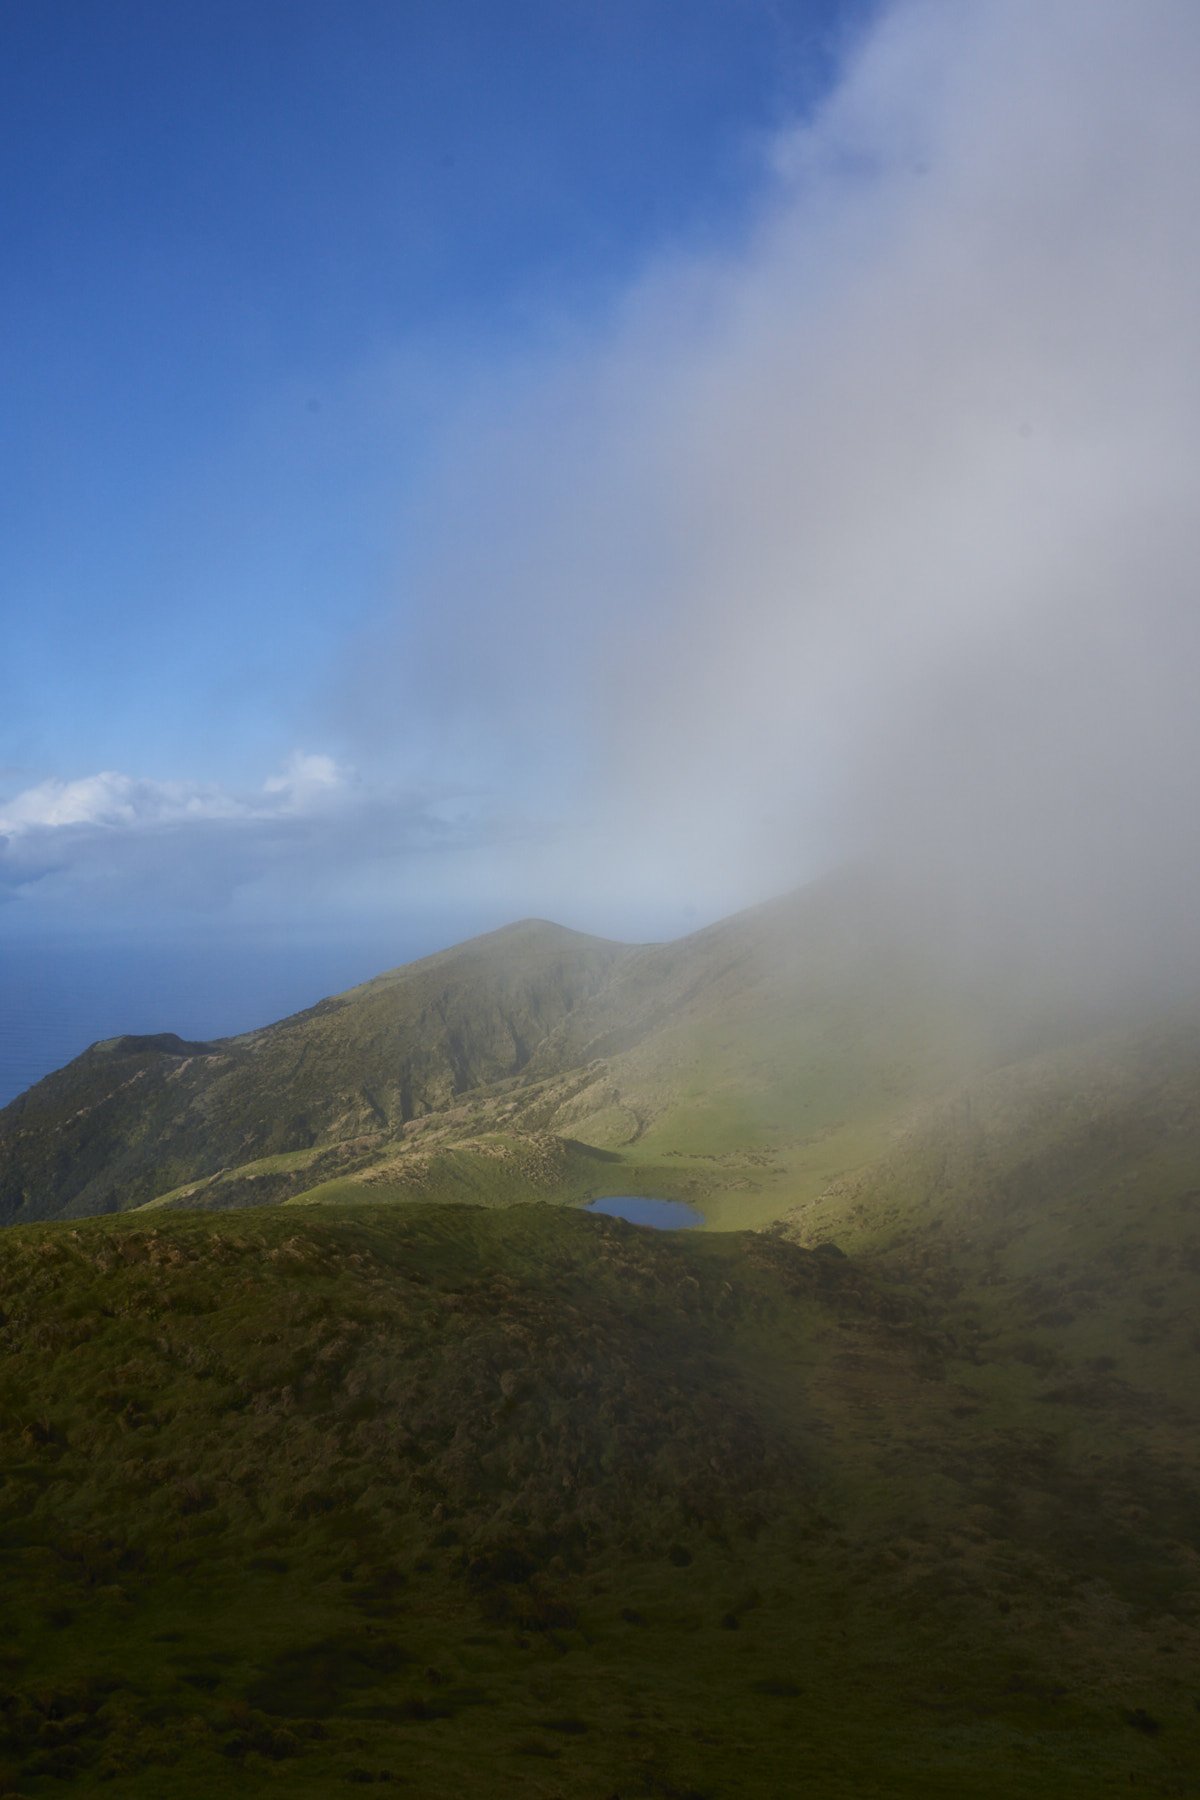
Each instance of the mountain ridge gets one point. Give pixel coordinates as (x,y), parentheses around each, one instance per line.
(747,1064)
(355,1064)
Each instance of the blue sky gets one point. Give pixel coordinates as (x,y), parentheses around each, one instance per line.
(222,220)
(576,458)
(252,256)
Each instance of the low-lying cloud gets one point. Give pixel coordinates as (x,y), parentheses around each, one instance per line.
(113,802)
(124,842)
(876,534)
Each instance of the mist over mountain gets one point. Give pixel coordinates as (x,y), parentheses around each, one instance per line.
(873,534)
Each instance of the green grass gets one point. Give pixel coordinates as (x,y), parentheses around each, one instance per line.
(521,1501)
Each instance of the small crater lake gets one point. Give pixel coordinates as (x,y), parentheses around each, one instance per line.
(663,1215)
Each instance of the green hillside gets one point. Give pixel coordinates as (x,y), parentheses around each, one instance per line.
(747,1066)
(1057,1201)
(452,1500)
(136,1117)
(335,1462)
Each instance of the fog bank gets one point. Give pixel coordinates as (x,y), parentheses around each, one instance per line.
(874,535)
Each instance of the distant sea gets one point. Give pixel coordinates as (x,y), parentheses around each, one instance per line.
(57,998)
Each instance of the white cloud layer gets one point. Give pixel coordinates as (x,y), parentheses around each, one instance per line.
(313,845)
(111,801)
(114,840)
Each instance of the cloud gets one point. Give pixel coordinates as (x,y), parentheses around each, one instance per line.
(111,838)
(313,841)
(878,533)
(111,801)
(115,802)
(306,782)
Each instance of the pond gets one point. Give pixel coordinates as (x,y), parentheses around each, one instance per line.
(663,1215)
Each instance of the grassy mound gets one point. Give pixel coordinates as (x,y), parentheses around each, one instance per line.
(525,1502)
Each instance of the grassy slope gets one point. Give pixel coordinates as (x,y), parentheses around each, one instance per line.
(1055,1206)
(746,1067)
(137,1118)
(524,1502)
